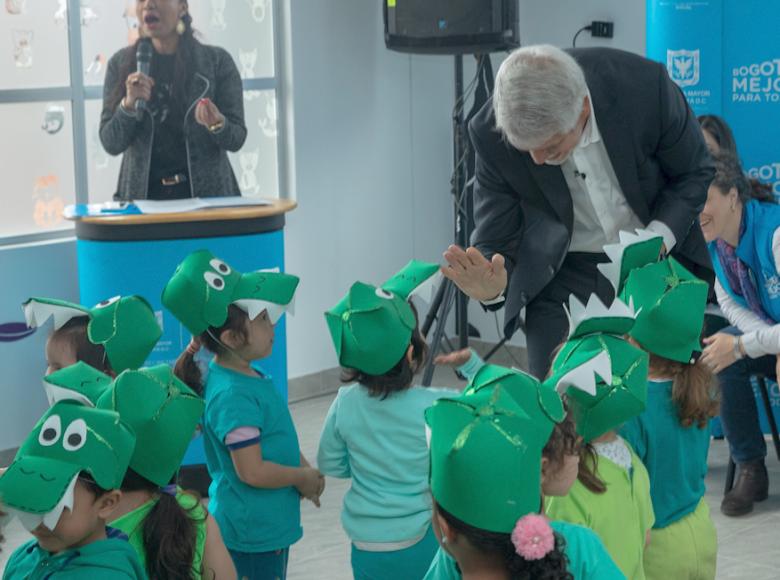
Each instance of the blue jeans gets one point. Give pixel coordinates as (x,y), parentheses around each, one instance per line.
(261,565)
(738,410)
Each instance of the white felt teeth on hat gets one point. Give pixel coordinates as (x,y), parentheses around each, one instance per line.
(254,308)
(52,517)
(37,313)
(611,270)
(583,377)
(55,393)
(31,521)
(577,312)
(426,290)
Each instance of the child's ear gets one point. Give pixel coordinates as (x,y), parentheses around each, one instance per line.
(410,355)
(545,470)
(446,532)
(230,339)
(107,504)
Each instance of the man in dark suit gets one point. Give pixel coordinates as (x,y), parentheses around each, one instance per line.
(574,147)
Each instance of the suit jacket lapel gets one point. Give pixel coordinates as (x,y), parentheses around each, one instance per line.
(620,148)
(551,182)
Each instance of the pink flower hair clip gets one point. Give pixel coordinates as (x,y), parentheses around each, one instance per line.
(533,537)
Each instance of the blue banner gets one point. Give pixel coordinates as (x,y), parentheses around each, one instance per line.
(725,57)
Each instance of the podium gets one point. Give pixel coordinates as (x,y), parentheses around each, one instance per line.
(138,253)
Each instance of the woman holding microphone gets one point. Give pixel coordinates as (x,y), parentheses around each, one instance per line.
(175,125)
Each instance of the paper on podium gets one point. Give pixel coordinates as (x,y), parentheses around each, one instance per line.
(148,206)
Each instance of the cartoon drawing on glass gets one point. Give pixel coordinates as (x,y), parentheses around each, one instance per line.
(48,204)
(15,7)
(22,48)
(218,15)
(248,182)
(268,122)
(259,9)
(53,119)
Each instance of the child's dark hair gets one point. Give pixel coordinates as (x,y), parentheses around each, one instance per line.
(398,378)
(694,392)
(564,440)
(554,566)
(186,367)
(169,532)
(91,485)
(74,332)
(2,539)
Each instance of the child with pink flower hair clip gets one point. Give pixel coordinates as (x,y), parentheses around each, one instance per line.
(494,450)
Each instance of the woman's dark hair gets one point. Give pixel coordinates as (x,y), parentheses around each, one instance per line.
(398,378)
(554,566)
(74,332)
(720,131)
(729,173)
(186,367)
(170,532)
(181,70)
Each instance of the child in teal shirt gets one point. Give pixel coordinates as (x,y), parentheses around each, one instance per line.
(671,436)
(374,432)
(587,558)
(252,452)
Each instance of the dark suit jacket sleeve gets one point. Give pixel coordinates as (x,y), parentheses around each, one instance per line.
(683,157)
(498,215)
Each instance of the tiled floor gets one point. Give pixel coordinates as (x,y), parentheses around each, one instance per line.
(749,547)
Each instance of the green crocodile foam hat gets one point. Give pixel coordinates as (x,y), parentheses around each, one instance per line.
(670,301)
(126,326)
(162,411)
(372,327)
(597,331)
(486,455)
(68,439)
(542,400)
(203,286)
(79,382)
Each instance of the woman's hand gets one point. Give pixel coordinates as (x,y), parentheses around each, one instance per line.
(208,115)
(139,86)
(456,358)
(719,352)
(477,277)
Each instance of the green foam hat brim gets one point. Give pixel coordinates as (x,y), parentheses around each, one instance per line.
(273,292)
(79,382)
(416,278)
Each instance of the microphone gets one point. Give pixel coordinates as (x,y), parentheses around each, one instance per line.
(143,57)
(579,174)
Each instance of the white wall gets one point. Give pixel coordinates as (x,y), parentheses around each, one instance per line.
(372,163)
(37,269)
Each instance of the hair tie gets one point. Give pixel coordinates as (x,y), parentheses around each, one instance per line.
(533,537)
(194,346)
(169,489)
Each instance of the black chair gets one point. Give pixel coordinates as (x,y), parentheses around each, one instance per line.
(770,416)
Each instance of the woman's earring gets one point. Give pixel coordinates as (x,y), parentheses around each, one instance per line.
(181,28)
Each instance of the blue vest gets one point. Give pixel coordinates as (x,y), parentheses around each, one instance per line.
(755,250)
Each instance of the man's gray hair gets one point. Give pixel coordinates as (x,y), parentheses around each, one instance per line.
(539,93)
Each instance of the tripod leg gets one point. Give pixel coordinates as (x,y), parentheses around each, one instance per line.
(435,344)
(435,305)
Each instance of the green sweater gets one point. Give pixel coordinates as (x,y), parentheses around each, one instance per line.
(111,559)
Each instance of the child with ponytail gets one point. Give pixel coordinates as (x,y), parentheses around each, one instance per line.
(252,452)
(672,435)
